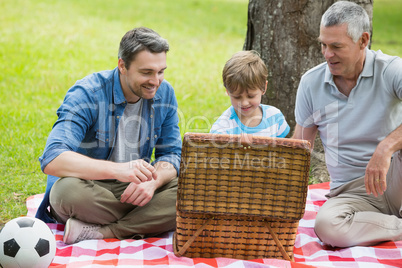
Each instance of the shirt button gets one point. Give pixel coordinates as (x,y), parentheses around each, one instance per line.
(156,136)
(147,138)
(151,116)
(107,139)
(117,117)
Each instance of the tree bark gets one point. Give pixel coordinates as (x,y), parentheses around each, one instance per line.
(285,34)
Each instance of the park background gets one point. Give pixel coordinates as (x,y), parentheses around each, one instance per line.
(47,45)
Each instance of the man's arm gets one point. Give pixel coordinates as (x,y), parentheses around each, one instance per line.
(305,133)
(72,164)
(377,168)
(166,172)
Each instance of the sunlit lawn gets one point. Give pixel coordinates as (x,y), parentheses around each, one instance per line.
(45,46)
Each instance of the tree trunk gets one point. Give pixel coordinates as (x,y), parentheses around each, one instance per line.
(285,33)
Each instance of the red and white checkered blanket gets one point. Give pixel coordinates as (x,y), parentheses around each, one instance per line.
(308,251)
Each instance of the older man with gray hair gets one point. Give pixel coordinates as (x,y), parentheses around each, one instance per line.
(354,100)
(101,183)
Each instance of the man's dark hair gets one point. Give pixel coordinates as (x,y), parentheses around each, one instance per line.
(139,39)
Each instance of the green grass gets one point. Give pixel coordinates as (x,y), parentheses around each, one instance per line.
(387,24)
(46,45)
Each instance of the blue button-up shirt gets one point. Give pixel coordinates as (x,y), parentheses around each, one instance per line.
(89,117)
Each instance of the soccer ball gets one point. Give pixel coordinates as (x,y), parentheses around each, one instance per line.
(26,242)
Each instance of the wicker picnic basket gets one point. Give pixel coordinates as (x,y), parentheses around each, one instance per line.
(240,196)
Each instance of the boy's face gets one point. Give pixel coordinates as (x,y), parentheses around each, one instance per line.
(246,104)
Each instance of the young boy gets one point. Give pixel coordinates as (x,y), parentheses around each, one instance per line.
(245,79)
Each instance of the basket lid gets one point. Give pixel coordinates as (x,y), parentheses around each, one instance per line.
(243,175)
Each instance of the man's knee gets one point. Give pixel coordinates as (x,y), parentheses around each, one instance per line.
(68,191)
(331,230)
(322,225)
(171,186)
(168,192)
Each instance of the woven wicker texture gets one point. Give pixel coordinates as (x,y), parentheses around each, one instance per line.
(234,237)
(241,182)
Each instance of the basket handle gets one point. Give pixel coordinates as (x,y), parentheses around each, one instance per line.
(278,243)
(191,240)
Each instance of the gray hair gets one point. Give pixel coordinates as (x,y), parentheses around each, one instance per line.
(140,39)
(350,13)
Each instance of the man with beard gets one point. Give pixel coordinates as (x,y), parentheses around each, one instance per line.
(97,157)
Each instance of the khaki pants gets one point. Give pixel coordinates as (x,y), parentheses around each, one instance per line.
(98,202)
(350,217)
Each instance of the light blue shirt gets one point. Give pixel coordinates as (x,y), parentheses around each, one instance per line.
(88,120)
(273,123)
(351,127)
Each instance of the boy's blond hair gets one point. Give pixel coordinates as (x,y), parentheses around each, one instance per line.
(243,71)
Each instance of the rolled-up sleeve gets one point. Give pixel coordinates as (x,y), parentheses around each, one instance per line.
(168,146)
(74,119)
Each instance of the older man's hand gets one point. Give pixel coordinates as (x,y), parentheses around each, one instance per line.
(376,173)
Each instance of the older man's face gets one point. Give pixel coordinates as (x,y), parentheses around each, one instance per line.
(344,57)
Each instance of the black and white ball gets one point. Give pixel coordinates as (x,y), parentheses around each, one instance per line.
(26,242)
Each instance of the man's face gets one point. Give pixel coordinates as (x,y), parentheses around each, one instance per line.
(144,75)
(344,57)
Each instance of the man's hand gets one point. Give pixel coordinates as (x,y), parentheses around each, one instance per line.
(139,194)
(375,178)
(136,171)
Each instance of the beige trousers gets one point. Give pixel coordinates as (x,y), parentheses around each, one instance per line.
(350,217)
(98,202)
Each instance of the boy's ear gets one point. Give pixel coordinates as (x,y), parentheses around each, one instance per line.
(227,92)
(265,89)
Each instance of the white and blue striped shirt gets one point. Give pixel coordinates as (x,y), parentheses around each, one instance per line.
(273,123)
